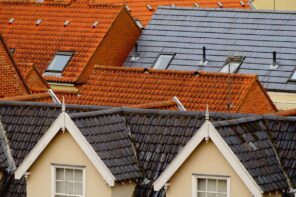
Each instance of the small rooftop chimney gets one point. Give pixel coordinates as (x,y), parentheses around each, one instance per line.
(204,58)
(274,64)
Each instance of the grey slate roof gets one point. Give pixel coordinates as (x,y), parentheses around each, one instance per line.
(253,34)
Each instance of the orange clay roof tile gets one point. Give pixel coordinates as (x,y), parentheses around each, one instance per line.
(12,82)
(39,43)
(116,86)
(138,8)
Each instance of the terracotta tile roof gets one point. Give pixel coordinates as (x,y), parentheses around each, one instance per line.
(290,112)
(164,105)
(39,43)
(33,78)
(40,97)
(138,8)
(11,81)
(117,86)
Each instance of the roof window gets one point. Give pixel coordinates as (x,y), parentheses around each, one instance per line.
(66,23)
(149,7)
(59,63)
(163,61)
(220,4)
(232,64)
(95,24)
(38,22)
(196,5)
(11,20)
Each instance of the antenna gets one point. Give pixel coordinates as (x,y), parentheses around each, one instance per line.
(63,105)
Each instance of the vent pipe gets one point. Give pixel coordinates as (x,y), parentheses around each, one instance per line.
(204,58)
(274,58)
(135,55)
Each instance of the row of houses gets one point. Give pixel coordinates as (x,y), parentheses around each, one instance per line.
(198,101)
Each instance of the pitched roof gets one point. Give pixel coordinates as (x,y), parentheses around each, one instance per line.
(12,82)
(253,34)
(33,78)
(110,86)
(39,43)
(139,10)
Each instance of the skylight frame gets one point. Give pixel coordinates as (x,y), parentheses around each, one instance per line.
(239,63)
(168,64)
(69,54)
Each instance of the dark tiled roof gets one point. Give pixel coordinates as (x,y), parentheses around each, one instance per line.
(249,140)
(110,138)
(253,34)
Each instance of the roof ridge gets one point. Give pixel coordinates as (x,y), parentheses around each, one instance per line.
(229,10)
(177,72)
(237,120)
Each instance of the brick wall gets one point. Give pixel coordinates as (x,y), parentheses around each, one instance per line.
(116,45)
(11,83)
(257,101)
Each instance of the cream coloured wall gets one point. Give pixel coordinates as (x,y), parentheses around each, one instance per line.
(206,159)
(63,150)
(279,4)
(283,100)
(125,189)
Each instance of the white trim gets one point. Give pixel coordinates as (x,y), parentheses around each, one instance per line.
(53,177)
(179,104)
(207,129)
(216,177)
(79,139)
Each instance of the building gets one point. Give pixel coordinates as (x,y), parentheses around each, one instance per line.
(64,39)
(135,87)
(274,4)
(143,152)
(248,41)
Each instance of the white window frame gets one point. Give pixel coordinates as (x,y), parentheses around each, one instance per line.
(53,178)
(202,176)
(157,64)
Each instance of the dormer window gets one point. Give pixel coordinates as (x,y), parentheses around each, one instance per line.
(232,64)
(59,63)
(163,61)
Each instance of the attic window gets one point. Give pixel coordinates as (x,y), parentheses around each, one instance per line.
(139,24)
(232,64)
(11,20)
(293,78)
(59,63)
(163,61)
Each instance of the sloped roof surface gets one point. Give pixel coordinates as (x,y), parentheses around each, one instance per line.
(111,86)
(11,81)
(139,10)
(249,139)
(39,43)
(253,34)
(109,137)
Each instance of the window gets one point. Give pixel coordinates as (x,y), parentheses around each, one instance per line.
(293,78)
(211,186)
(232,64)
(59,62)
(163,61)
(68,181)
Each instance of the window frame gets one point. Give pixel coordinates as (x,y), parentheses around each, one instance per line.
(171,54)
(207,176)
(228,61)
(72,167)
(60,53)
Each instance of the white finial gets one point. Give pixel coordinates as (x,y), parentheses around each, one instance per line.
(63,105)
(207,112)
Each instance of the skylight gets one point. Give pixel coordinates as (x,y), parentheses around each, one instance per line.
(232,64)
(163,61)
(59,62)
(294,76)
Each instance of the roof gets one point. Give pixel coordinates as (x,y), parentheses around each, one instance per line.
(12,82)
(224,32)
(33,78)
(139,10)
(112,86)
(39,43)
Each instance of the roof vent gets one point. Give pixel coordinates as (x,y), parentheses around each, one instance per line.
(196,5)
(10,21)
(135,56)
(66,23)
(173,5)
(204,58)
(274,64)
(252,145)
(38,22)
(149,7)
(242,3)
(95,24)
(128,8)
(139,24)
(220,4)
